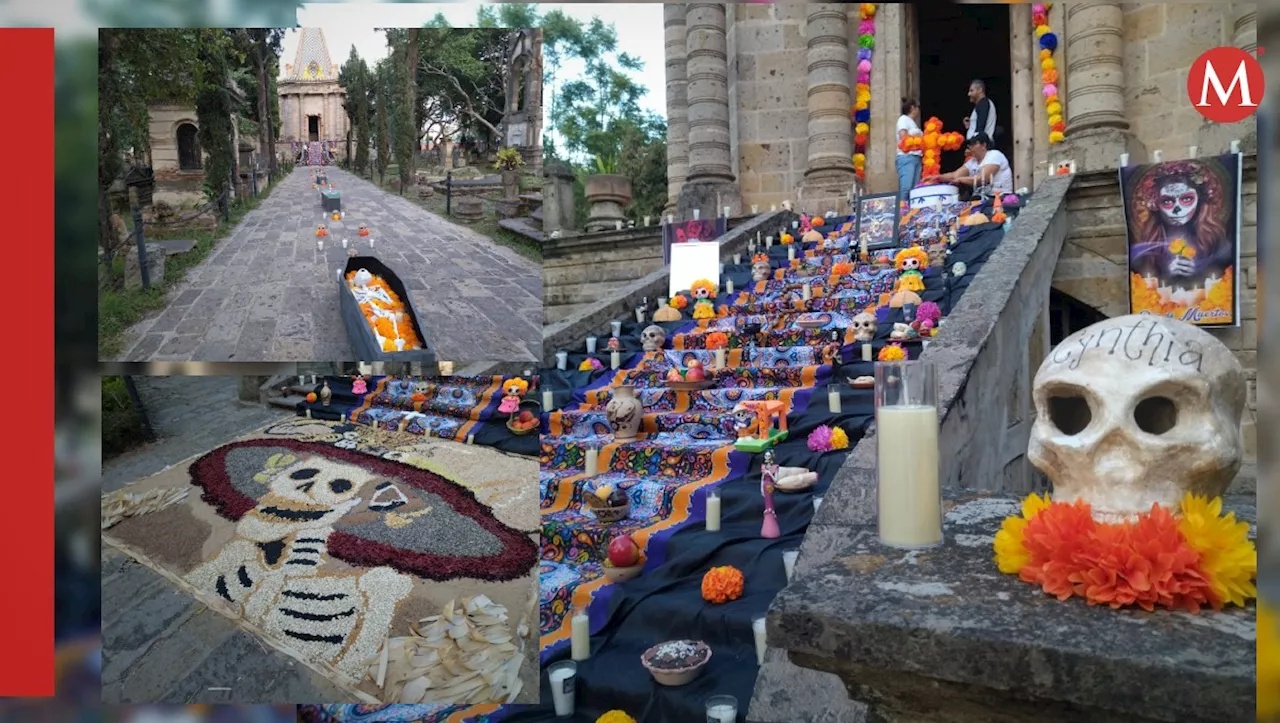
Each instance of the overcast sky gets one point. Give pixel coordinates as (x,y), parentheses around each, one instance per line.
(639,28)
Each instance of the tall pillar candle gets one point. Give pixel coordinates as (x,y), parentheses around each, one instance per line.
(547,400)
(833,399)
(562,360)
(593,461)
(909,496)
(591,345)
(615,359)
(580,635)
(713,511)
(758,632)
(866,351)
(616,328)
(807,291)
(728,286)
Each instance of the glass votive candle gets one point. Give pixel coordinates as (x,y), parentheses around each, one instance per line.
(562,360)
(909,498)
(722,709)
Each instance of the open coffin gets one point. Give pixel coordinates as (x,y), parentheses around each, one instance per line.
(363,339)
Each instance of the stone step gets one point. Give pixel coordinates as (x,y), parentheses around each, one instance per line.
(524,226)
(787,693)
(289,402)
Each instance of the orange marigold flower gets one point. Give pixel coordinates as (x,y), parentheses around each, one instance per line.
(679,302)
(722,584)
(717,340)
(841,269)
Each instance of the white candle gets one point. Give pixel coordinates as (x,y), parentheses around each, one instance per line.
(471,439)
(768,242)
(866,351)
(344,243)
(615,359)
(591,345)
(1124,160)
(314,379)
(580,632)
(755,208)
(720,357)
(562,360)
(370,242)
(639,314)
(758,629)
(722,714)
(795,225)
(647,219)
(320,244)
(593,461)
(308,412)
(1157,156)
(1195,151)
(713,511)
(862,246)
(696,214)
(807,291)
(726,211)
(618,225)
(909,500)
(662,301)
(562,678)
(789,562)
(791,252)
(548,399)
(339,274)
(773,208)
(728,286)
(833,400)
(616,328)
(817,502)
(671,218)
(737,258)
(1235,146)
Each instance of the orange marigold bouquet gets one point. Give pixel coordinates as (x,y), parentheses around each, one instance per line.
(722,584)
(384,311)
(891,353)
(841,269)
(1186,559)
(717,340)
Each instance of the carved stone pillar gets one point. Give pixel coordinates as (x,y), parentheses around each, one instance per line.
(677,102)
(302,127)
(829,174)
(710,184)
(1244,33)
(1241,21)
(1097,130)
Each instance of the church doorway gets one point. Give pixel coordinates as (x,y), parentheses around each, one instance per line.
(959,43)
(189,148)
(313,127)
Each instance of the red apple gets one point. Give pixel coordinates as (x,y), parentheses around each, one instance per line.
(623,551)
(526,416)
(695,364)
(673,375)
(695,374)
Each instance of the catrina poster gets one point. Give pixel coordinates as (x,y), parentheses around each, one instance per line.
(1183,222)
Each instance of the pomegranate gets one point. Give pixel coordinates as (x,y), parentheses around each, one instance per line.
(623,551)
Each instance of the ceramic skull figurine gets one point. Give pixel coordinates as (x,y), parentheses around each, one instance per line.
(1138,410)
(864,326)
(761,270)
(653,337)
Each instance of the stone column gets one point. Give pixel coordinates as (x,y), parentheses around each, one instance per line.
(677,102)
(710,184)
(1097,130)
(1241,22)
(302,127)
(1027,127)
(828,175)
(1244,32)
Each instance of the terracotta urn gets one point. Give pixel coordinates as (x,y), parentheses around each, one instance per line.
(624,413)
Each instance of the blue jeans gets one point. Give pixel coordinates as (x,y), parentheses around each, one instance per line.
(909,168)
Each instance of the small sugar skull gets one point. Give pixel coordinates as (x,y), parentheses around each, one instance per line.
(744,421)
(864,326)
(364,230)
(761,270)
(322,230)
(653,337)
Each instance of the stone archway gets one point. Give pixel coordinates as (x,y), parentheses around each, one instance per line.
(190,156)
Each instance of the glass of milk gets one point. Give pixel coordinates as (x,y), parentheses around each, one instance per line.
(563,675)
(909,495)
(722,709)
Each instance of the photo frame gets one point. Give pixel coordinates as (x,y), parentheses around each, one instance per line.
(877,220)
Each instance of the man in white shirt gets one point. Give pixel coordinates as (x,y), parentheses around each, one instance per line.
(910,163)
(986,167)
(983,117)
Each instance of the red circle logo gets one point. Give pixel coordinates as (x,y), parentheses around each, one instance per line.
(1226,85)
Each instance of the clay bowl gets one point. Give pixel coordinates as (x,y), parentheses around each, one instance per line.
(622,574)
(675,676)
(856,384)
(608,513)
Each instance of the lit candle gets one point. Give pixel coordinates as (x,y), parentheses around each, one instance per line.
(580,635)
(1195,151)
(547,400)
(768,242)
(713,511)
(807,291)
(308,412)
(471,439)
(616,328)
(320,244)
(1235,146)
(593,461)
(1124,160)
(726,211)
(728,286)
(833,399)
(562,360)
(639,314)
(591,345)
(789,562)
(866,351)
(755,208)
(720,357)
(1157,156)
(615,359)
(737,258)
(758,630)
(697,213)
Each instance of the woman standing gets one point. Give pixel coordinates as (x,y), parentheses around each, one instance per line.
(909,163)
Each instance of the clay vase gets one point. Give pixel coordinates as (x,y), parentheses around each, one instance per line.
(624,413)
(325,394)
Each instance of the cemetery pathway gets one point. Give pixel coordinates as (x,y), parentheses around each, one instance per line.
(268,293)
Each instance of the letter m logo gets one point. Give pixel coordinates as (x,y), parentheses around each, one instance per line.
(1228,102)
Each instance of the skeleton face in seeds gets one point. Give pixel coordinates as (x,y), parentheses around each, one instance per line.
(1178,203)
(308,494)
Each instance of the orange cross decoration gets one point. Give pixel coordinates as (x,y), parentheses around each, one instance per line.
(765,411)
(932,143)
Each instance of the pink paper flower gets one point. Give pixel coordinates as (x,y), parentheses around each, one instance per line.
(820,439)
(864,78)
(867,27)
(1050,90)
(1038,9)
(864,66)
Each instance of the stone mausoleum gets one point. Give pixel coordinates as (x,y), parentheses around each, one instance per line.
(759,99)
(310,97)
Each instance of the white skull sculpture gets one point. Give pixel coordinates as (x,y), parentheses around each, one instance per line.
(1138,410)
(864,326)
(761,271)
(653,337)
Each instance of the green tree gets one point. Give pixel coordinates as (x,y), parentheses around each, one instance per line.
(381,119)
(215,110)
(356,80)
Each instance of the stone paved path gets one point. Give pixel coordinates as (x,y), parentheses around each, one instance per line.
(267,293)
(159,644)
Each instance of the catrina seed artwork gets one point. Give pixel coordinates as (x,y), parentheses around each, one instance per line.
(326,550)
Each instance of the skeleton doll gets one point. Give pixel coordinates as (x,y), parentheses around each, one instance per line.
(273,572)
(745,422)
(653,337)
(760,268)
(864,326)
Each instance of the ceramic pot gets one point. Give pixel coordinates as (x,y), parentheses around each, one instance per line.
(325,394)
(624,413)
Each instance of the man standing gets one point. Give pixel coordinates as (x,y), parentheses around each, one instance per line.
(983,117)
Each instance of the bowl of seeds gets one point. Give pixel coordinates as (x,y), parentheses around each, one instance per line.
(676,662)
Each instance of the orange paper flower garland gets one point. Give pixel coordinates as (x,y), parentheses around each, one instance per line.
(862,89)
(385,313)
(1195,558)
(1048,43)
(722,584)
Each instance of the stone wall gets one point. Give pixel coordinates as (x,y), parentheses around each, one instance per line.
(173,186)
(1093,267)
(579,271)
